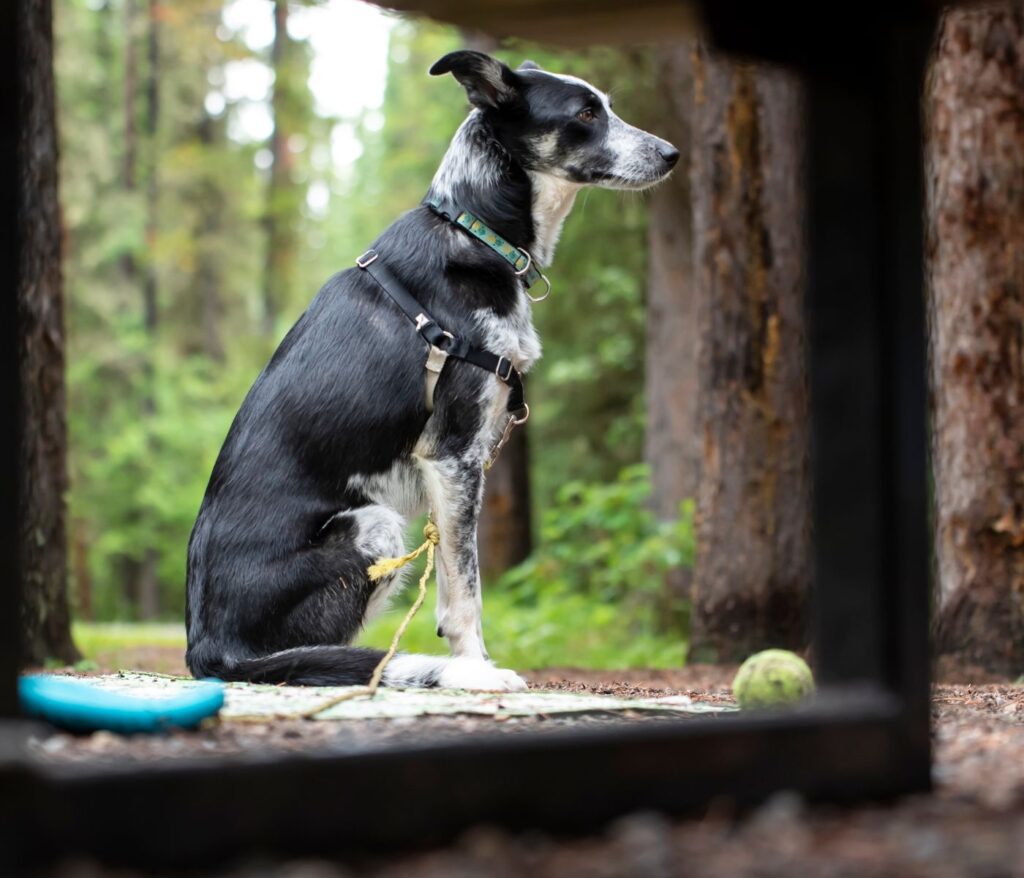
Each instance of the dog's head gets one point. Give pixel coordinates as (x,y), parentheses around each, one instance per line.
(559,125)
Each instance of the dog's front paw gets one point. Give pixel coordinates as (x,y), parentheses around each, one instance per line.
(480,675)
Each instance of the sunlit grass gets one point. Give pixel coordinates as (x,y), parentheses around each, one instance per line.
(572,631)
(569,631)
(95,637)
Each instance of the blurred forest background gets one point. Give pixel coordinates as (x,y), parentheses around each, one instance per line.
(207,196)
(218,161)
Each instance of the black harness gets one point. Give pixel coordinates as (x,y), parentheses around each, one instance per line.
(443,344)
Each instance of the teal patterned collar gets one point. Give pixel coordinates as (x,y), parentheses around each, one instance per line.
(517,257)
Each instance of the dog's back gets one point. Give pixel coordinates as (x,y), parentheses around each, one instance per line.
(334,448)
(341,397)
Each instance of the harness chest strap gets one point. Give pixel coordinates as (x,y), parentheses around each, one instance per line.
(443,345)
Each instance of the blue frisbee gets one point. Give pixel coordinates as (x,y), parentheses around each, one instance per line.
(79,707)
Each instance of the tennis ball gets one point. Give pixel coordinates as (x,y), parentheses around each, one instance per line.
(772,678)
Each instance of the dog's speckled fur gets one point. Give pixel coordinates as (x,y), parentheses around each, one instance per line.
(333,450)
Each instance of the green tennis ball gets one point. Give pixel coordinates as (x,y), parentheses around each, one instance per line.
(772,678)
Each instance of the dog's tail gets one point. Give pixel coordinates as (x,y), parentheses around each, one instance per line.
(326,666)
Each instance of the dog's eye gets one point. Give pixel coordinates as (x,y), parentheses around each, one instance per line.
(585,115)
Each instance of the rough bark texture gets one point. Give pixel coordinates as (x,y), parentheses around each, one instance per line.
(149,292)
(672,445)
(975,180)
(209,269)
(277,220)
(140,584)
(752,566)
(672,441)
(504,535)
(45,619)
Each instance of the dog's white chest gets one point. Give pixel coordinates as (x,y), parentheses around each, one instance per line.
(511,335)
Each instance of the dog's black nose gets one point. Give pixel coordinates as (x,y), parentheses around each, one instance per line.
(669,154)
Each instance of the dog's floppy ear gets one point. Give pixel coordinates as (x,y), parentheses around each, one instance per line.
(487,81)
(529,65)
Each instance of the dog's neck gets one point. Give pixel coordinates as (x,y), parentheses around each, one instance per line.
(527,207)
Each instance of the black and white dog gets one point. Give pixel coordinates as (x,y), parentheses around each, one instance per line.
(335,448)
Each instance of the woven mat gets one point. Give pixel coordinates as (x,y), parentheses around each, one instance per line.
(251,700)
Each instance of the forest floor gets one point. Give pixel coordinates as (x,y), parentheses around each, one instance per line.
(972,825)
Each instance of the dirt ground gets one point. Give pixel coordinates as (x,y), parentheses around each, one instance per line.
(973,825)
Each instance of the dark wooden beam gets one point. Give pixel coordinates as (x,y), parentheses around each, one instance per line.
(565,22)
(10,592)
(841,749)
(867,367)
(867,377)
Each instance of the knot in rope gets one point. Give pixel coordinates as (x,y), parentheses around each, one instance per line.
(385,566)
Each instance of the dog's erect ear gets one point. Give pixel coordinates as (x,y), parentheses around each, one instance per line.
(529,65)
(487,81)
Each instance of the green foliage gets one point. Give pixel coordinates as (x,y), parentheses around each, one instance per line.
(602,540)
(567,630)
(590,595)
(149,407)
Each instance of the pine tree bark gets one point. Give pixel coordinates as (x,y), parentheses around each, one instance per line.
(672,445)
(974,168)
(209,265)
(278,218)
(139,575)
(149,292)
(149,581)
(672,441)
(45,616)
(752,566)
(504,534)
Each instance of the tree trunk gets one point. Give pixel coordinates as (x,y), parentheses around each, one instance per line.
(672,440)
(149,581)
(752,566)
(504,535)
(140,584)
(975,163)
(209,263)
(149,292)
(80,566)
(279,216)
(45,616)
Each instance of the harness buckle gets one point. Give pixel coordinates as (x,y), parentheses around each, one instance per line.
(438,355)
(368,258)
(436,359)
(508,371)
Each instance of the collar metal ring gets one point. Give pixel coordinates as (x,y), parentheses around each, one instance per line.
(547,292)
(529,262)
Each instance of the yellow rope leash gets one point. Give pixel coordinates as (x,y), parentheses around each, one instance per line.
(377,572)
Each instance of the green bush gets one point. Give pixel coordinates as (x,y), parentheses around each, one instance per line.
(603,541)
(591,595)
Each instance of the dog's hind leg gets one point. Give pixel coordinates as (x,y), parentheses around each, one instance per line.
(381,534)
